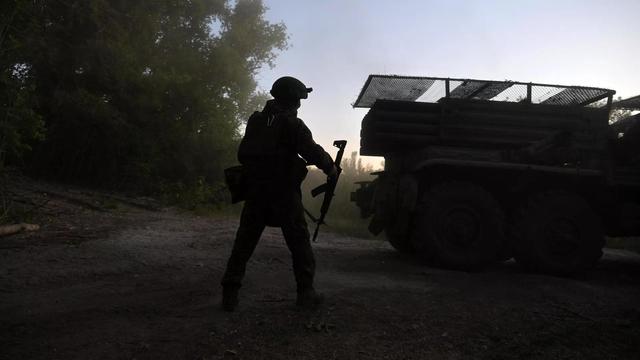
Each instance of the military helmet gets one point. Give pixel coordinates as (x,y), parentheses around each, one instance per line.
(289,88)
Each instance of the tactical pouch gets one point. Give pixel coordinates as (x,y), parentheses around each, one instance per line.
(236,183)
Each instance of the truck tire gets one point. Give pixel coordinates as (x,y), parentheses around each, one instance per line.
(557,232)
(399,242)
(459,225)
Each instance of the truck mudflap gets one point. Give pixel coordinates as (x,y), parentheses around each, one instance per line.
(391,198)
(363,197)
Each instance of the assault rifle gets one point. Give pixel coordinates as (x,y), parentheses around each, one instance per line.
(329,187)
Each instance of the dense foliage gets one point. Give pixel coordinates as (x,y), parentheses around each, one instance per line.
(130,93)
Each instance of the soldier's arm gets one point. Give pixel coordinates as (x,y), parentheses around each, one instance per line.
(313,153)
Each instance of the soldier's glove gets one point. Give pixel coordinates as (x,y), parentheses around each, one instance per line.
(332,174)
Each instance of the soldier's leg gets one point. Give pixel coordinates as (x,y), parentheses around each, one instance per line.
(296,235)
(251,227)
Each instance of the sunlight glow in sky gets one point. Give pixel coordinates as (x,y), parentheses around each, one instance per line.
(336,44)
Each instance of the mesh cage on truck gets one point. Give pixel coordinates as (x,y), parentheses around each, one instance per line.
(432,89)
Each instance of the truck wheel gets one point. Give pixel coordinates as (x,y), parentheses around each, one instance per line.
(459,225)
(399,242)
(557,232)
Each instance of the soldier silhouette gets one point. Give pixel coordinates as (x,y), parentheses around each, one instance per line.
(274,152)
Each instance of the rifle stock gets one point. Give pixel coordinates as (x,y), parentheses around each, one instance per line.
(319,190)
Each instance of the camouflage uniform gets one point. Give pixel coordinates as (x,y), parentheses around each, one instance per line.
(270,154)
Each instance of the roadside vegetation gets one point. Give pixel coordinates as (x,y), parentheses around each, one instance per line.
(343,217)
(140,96)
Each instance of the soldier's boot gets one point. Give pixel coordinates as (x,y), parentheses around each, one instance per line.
(309,299)
(229,298)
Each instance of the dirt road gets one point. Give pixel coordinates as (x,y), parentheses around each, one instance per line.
(135,284)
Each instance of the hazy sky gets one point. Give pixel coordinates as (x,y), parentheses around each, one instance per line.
(336,44)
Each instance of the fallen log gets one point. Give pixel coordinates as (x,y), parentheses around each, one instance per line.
(7,230)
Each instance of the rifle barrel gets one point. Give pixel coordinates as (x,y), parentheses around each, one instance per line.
(315,233)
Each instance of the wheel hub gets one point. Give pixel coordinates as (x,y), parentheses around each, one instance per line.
(461,227)
(563,236)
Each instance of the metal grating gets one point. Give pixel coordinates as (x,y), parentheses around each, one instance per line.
(481,90)
(396,88)
(542,93)
(573,96)
(491,90)
(432,89)
(466,89)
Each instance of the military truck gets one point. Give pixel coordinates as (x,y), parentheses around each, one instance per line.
(479,171)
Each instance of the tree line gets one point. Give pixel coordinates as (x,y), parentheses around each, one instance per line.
(130,94)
